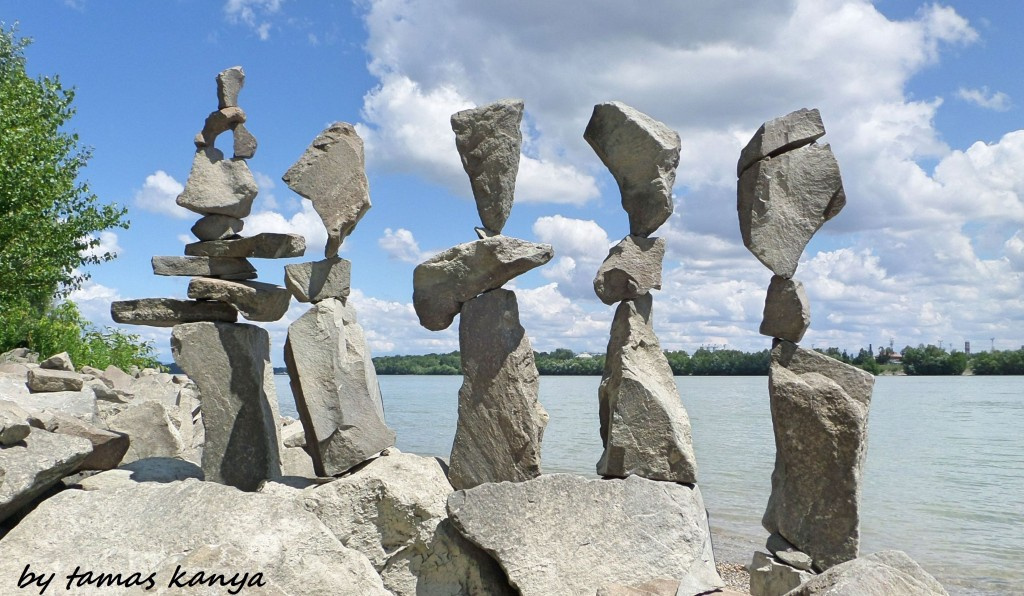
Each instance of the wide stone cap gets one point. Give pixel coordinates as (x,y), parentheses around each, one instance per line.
(782,134)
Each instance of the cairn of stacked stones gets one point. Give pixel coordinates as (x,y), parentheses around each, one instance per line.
(644,427)
(331,373)
(501,422)
(229,361)
(789,186)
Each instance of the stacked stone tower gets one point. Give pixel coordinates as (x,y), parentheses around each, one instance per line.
(501,422)
(789,186)
(644,427)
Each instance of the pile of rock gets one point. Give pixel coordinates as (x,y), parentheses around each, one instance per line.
(501,422)
(644,427)
(332,376)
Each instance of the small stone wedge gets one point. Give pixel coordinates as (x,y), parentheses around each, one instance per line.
(631,269)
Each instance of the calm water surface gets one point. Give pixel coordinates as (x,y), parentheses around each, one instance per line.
(944,478)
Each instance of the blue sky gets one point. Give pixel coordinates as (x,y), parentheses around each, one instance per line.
(921,101)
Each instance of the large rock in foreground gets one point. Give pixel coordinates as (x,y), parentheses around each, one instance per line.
(885,573)
(563,534)
(29,468)
(820,417)
(203,527)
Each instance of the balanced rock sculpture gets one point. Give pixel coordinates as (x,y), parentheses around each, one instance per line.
(501,422)
(644,427)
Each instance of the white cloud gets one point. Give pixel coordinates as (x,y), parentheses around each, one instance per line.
(158,194)
(107,244)
(252,13)
(401,245)
(580,247)
(305,222)
(983,98)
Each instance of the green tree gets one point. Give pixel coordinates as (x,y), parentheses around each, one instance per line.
(932,360)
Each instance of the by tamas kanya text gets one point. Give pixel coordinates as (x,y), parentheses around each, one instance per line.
(181,578)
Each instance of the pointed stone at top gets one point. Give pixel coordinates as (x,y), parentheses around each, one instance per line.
(782,134)
(332,174)
(229,84)
(642,155)
(488,139)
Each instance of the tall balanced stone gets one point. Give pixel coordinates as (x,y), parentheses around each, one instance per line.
(230,363)
(335,388)
(501,422)
(331,174)
(644,427)
(488,139)
(642,155)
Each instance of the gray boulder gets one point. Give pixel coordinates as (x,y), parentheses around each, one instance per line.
(885,573)
(222,267)
(218,185)
(80,404)
(787,311)
(245,143)
(782,201)
(318,280)
(151,469)
(332,174)
(789,554)
(267,245)
(501,422)
(151,430)
(220,121)
(121,380)
(230,363)
(14,426)
(772,577)
(32,466)
(335,388)
(60,361)
(256,301)
(488,139)
(42,380)
(564,534)
(108,447)
(631,269)
(442,283)
(819,413)
(642,155)
(644,427)
(229,84)
(168,312)
(782,134)
(217,227)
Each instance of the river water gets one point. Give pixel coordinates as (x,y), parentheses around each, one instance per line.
(943,481)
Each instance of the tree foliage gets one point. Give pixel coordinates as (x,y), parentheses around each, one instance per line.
(933,360)
(1009,362)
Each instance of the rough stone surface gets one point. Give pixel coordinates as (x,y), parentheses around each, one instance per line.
(230,363)
(108,448)
(222,267)
(34,465)
(642,155)
(318,280)
(41,380)
(295,461)
(217,227)
(151,469)
(220,121)
(442,283)
(787,311)
(267,245)
(14,425)
(256,301)
(631,269)
(788,554)
(168,312)
(229,84)
(60,361)
(501,422)
(644,427)
(782,201)
(782,134)
(332,174)
(564,534)
(820,413)
(81,404)
(245,143)
(335,388)
(121,380)
(885,573)
(218,185)
(152,527)
(488,139)
(657,587)
(771,577)
(152,432)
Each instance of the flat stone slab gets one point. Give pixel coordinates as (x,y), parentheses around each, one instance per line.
(256,301)
(218,185)
(217,227)
(782,134)
(564,534)
(38,462)
(168,312)
(314,281)
(885,573)
(442,283)
(152,469)
(261,246)
(772,577)
(642,155)
(787,311)
(631,269)
(489,140)
(222,267)
(41,380)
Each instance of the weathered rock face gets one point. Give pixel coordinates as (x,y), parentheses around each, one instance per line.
(331,174)
(442,283)
(318,280)
(256,301)
(152,431)
(885,573)
(563,534)
(217,227)
(230,363)
(787,311)
(789,554)
(788,132)
(819,413)
(218,185)
(108,448)
(229,85)
(222,267)
(267,245)
(642,155)
(501,422)
(42,380)
(783,200)
(488,139)
(168,312)
(31,467)
(220,121)
(60,361)
(152,469)
(335,388)
(644,427)
(771,577)
(632,269)
(13,423)
(200,526)
(245,143)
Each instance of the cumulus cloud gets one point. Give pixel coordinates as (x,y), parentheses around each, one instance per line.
(983,98)
(252,13)
(402,246)
(305,222)
(107,244)
(580,247)
(158,194)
